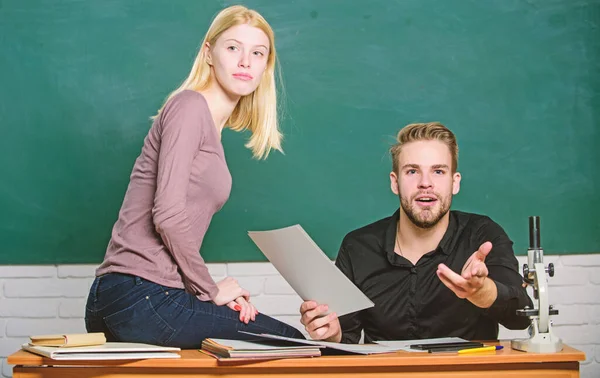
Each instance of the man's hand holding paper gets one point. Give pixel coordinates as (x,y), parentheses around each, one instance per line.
(318,323)
(327,292)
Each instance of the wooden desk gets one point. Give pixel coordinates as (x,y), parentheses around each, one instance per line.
(505,363)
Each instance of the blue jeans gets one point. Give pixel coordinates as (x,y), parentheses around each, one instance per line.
(132,309)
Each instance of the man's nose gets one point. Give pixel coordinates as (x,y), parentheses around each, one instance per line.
(425,181)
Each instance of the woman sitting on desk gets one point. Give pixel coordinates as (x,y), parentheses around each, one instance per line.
(153,286)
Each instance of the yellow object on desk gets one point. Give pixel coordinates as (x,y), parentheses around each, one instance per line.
(482,349)
(69,340)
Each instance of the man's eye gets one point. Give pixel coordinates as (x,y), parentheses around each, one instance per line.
(411,171)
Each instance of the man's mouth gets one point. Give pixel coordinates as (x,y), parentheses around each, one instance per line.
(426,200)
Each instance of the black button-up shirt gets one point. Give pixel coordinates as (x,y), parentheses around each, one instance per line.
(411,302)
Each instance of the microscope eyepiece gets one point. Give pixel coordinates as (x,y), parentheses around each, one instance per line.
(534,232)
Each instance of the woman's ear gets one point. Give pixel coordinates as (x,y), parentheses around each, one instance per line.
(208,54)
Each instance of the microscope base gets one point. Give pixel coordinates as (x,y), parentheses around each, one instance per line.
(540,343)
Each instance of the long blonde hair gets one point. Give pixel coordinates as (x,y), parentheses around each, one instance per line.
(256,111)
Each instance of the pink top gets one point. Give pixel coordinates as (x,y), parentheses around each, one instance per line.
(179,181)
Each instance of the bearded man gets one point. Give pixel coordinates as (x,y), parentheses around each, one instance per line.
(430,271)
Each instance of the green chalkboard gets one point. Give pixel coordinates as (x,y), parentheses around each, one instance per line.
(518,81)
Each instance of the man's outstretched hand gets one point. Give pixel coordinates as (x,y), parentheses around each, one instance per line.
(473,283)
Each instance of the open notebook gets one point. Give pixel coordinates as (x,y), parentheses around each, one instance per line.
(420,345)
(108,351)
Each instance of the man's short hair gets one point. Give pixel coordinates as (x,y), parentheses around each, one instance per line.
(425,131)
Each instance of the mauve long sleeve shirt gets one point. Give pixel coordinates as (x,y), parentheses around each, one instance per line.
(179,181)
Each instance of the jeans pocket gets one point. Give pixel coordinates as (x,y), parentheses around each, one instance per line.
(140,323)
(113,288)
(114,281)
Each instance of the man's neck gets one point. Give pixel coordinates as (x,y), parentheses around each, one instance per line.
(220,103)
(414,241)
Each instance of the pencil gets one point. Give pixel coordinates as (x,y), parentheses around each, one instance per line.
(484,349)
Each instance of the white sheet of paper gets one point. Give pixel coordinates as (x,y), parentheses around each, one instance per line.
(354,348)
(308,270)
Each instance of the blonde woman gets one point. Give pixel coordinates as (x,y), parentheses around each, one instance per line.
(153,286)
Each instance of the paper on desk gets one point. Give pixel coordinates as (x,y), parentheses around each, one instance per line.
(404,345)
(352,348)
(308,270)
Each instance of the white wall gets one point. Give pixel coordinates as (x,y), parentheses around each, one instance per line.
(51,299)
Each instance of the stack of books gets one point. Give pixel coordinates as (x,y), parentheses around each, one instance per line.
(266,346)
(93,346)
(256,350)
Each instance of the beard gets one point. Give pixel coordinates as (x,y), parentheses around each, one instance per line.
(425,218)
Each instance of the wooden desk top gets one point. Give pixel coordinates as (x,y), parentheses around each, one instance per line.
(196,359)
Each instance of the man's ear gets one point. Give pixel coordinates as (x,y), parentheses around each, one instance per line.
(208,53)
(394,183)
(456,183)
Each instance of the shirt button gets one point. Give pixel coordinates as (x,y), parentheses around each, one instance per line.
(413,270)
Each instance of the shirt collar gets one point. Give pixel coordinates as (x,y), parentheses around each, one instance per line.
(390,234)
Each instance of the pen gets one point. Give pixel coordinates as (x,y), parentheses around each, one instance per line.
(484,349)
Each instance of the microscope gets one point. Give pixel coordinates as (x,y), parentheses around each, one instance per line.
(541,338)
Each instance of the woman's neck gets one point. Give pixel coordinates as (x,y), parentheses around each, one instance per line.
(220,103)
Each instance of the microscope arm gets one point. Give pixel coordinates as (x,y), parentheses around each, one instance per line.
(542,288)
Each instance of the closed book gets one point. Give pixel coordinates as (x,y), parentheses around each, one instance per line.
(257,350)
(69,340)
(106,351)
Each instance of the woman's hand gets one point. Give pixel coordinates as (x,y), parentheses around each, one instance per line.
(246,309)
(229,291)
